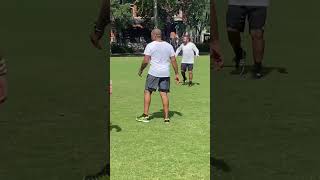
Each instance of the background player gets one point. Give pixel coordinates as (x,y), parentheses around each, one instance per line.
(189,50)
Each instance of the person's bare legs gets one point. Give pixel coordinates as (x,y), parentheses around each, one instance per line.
(258,45)
(234,37)
(165,103)
(147,101)
(190,76)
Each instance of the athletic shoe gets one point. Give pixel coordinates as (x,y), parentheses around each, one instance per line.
(258,71)
(143,118)
(167,120)
(190,83)
(240,61)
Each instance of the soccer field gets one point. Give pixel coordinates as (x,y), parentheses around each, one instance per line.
(269,129)
(156,150)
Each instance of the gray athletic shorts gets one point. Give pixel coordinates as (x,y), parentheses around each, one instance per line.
(161,83)
(186,66)
(237,15)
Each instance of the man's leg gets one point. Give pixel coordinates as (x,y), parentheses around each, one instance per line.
(235,41)
(183,71)
(164,89)
(190,76)
(165,104)
(258,44)
(190,69)
(236,16)
(257,20)
(151,85)
(147,101)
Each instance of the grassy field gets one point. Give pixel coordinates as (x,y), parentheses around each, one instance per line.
(53,124)
(156,150)
(269,129)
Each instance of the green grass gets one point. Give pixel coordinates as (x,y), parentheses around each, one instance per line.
(53,124)
(156,150)
(269,129)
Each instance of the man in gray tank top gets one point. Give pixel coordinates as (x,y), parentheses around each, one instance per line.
(255,12)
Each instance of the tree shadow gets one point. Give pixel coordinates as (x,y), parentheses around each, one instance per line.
(159,114)
(220,164)
(116,127)
(266,70)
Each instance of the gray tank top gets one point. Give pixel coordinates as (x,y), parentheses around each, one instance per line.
(249,2)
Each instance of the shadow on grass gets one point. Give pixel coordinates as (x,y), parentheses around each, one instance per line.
(219,164)
(116,127)
(187,83)
(160,114)
(103,173)
(265,70)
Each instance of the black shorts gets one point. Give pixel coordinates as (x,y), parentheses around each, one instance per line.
(161,83)
(186,66)
(237,15)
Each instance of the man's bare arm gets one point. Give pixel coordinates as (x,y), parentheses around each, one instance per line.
(102,22)
(174,64)
(215,51)
(214,21)
(104,16)
(175,68)
(144,64)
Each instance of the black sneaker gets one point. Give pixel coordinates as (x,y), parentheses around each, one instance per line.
(258,71)
(240,60)
(143,118)
(190,83)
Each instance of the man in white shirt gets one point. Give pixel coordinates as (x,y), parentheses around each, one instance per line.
(3,83)
(160,54)
(189,50)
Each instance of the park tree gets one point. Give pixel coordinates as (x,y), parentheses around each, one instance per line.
(197,15)
(121,16)
(166,10)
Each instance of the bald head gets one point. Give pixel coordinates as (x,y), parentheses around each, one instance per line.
(156,34)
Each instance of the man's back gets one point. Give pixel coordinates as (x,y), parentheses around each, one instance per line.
(249,2)
(160,52)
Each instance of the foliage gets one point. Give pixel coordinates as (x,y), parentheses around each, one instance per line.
(121,15)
